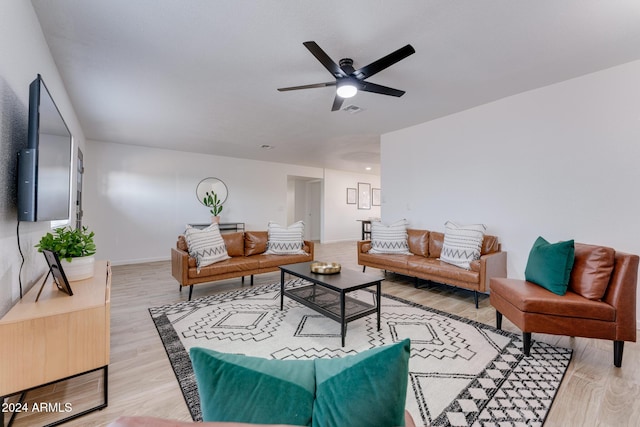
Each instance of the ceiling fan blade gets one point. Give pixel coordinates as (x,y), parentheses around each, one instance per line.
(324,59)
(311,86)
(337,103)
(383,90)
(384,62)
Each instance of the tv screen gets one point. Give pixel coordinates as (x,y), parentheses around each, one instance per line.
(44,167)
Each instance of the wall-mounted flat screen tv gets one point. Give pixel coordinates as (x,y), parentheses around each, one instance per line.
(44,167)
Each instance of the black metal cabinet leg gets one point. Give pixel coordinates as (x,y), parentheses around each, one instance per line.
(378,300)
(14,414)
(105,388)
(343,323)
(281,289)
(99,407)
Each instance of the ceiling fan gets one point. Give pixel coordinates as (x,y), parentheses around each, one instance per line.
(349,80)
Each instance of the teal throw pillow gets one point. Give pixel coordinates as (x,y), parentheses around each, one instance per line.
(253,390)
(368,389)
(549,265)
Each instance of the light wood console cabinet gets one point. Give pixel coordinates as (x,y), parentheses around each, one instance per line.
(57,337)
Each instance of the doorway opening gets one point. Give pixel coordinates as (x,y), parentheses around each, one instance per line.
(304,200)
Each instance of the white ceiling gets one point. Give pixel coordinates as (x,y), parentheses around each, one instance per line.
(201,75)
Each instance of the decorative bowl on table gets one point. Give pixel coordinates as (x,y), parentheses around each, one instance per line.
(325,267)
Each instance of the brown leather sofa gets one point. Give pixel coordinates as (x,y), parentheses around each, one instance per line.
(423,263)
(600,301)
(246,250)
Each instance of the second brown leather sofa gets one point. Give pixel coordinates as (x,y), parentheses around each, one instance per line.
(423,263)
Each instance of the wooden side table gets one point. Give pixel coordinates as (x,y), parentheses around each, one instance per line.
(58,337)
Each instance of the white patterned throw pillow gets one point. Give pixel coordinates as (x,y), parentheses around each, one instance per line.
(286,240)
(206,245)
(462,244)
(389,239)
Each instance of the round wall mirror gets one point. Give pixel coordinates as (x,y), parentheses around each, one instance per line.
(209,185)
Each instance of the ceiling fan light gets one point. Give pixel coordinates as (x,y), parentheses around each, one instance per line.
(346,91)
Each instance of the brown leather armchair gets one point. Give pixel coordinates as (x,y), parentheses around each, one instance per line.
(600,301)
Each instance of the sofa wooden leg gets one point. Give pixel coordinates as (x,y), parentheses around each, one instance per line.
(364,267)
(618,347)
(526,343)
(242,280)
(190,292)
(475,298)
(498,320)
(252,280)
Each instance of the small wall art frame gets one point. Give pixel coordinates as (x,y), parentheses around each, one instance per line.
(376,196)
(352,196)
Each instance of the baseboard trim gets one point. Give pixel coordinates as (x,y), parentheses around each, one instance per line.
(139,260)
(339,241)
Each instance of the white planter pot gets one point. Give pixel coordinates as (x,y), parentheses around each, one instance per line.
(79,268)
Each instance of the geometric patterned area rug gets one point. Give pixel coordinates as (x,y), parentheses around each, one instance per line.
(461,372)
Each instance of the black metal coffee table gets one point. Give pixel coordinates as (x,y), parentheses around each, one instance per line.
(327,293)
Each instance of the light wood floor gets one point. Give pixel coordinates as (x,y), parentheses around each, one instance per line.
(141,381)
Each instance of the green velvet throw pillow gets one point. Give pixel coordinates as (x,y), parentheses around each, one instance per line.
(549,265)
(253,390)
(368,389)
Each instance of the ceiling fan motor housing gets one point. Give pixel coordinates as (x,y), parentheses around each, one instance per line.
(347,65)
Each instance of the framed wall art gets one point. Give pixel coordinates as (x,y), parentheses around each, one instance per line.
(352,196)
(364,195)
(376,196)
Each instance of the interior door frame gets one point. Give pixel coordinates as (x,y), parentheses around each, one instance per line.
(79,180)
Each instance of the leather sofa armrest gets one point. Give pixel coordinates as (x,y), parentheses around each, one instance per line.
(144,421)
(621,294)
(492,265)
(309,244)
(361,244)
(179,265)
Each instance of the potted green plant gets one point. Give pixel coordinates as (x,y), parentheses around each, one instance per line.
(211,200)
(76,249)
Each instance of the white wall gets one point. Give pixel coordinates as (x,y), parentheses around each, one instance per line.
(24,53)
(562,162)
(138,199)
(340,219)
